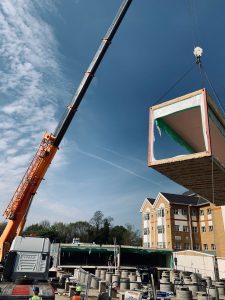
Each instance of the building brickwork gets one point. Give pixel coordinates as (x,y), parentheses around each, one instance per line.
(181,222)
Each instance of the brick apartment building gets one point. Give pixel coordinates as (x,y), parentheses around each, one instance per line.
(180,222)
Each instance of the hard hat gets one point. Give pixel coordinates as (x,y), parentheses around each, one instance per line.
(78,288)
(36,289)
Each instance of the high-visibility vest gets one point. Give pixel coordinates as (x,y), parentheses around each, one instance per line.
(35,297)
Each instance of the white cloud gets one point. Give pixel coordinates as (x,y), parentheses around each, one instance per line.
(30,85)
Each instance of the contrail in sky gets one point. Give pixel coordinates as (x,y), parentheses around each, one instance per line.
(117,166)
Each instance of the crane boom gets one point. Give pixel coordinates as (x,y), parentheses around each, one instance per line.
(18,207)
(72,108)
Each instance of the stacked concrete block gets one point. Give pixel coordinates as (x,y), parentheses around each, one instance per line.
(102,274)
(124,274)
(183,293)
(102,287)
(108,277)
(174,276)
(165,284)
(213,292)
(208,281)
(133,277)
(220,287)
(95,282)
(124,284)
(204,296)
(97,273)
(194,277)
(193,287)
(115,281)
(135,285)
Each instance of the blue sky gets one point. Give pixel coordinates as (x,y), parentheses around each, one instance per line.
(45,48)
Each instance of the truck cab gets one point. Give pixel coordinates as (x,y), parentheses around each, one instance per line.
(26,266)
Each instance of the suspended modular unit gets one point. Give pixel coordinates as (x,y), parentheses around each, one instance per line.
(187,144)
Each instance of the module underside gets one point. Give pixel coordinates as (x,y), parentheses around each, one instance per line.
(203,175)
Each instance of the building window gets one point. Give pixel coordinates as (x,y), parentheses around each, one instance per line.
(203,229)
(185,228)
(161,245)
(177,245)
(146,216)
(161,212)
(183,211)
(196,246)
(175,211)
(210,227)
(205,246)
(161,229)
(209,211)
(146,231)
(193,213)
(213,247)
(201,212)
(176,228)
(146,245)
(186,246)
(194,228)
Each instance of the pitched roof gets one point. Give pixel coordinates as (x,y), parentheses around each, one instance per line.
(151,200)
(186,200)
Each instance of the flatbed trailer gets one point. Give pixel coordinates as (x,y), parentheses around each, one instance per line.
(13,291)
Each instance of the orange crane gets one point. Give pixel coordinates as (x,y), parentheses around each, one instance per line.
(18,208)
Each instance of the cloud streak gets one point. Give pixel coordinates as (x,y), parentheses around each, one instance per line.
(30,86)
(117,166)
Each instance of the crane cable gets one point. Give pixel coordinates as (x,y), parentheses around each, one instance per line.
(175,84)
(203,76)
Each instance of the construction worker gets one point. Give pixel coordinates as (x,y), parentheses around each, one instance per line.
(36,293)
(77,295)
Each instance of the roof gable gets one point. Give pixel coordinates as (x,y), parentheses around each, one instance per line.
(158,197)
(147,201)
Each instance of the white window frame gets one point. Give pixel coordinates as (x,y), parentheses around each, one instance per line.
(146,231)
(194,228)
(161,229)
(205,247)
(185,228)
(161,213)
(211,228)
(176,227)
(175,211)
(213,247)
(201,212)
(178,246)
(184,211)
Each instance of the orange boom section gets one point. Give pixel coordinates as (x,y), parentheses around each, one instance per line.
(19,205)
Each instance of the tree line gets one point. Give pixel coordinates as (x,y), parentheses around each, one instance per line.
(99,230)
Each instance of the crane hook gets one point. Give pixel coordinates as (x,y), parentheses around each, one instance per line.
(198,53)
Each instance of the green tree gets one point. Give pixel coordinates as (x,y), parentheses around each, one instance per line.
(119,233)
(133,237)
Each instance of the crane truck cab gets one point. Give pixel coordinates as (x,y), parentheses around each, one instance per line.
(27,266)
